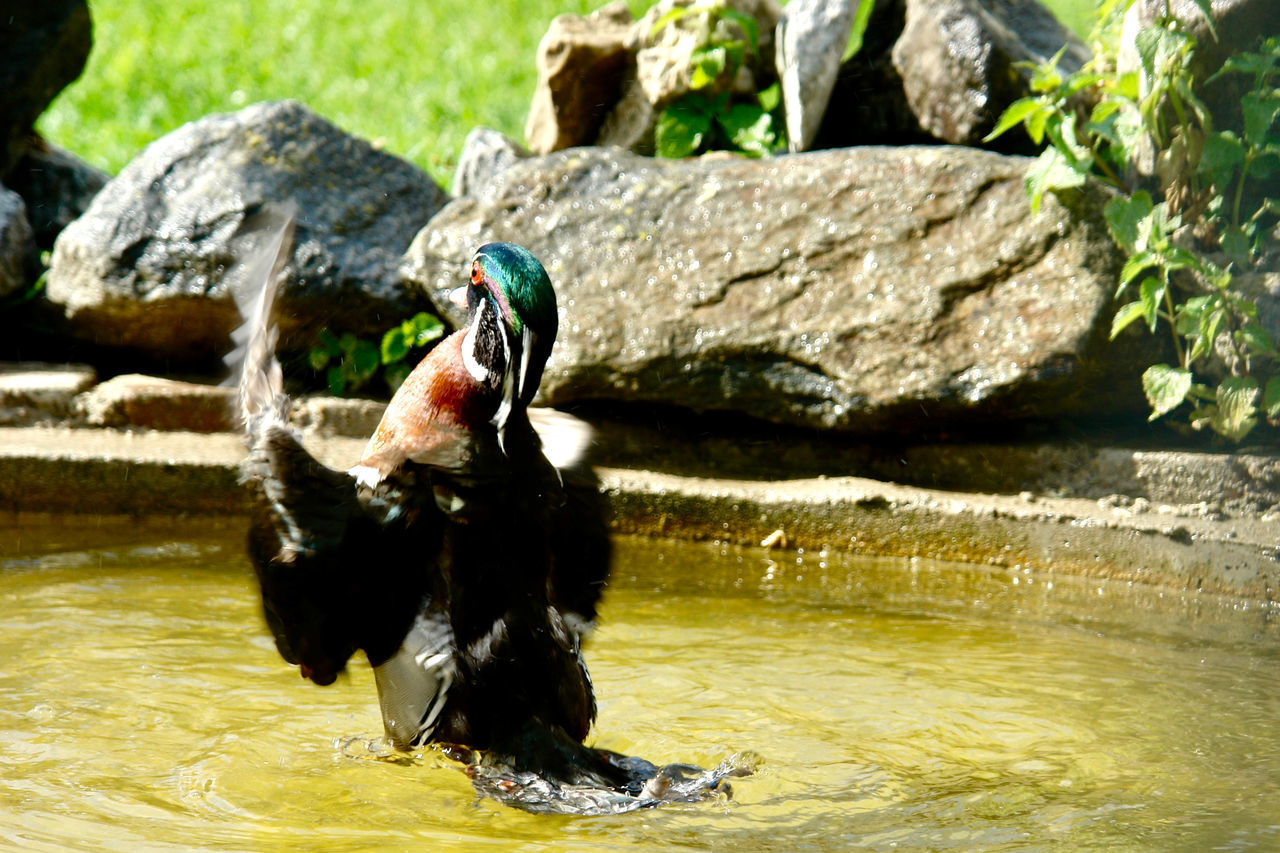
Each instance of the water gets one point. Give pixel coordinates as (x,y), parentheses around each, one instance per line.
(894,705)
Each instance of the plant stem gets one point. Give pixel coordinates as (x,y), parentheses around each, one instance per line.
(1173,329)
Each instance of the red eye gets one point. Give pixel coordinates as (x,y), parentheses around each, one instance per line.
(477,277)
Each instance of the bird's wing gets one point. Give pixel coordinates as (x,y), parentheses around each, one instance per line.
(306,521)
(334,576)
(414,682)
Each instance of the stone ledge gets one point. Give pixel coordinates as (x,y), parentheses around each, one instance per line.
(177,473)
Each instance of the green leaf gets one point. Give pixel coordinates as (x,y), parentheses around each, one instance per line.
(1221,157)
(1166,387)
(1045,76)
(1134,266)
(1260,110)
(1103,110)
(1236,243)
(1050,171)
(708,63)
(1211,320)
(317,357)
(1128,86)
(336,379)
(1255,64)
(1125,217)
(749,128)
(1271,398)
(1237,409)
(1207,10)
(1125,317)
(861,18)
(1013,116)
(422,329)
(1152,290)
(364,359)
(1256,340)
(770,96)
(1187,315)
(682,127)
(395,345)
(347,343)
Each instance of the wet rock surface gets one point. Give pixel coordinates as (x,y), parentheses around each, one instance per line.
(864,290)
(143,268)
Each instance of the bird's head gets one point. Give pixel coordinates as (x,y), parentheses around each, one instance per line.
(511,323)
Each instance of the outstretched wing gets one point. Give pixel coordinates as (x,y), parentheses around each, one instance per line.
(307,526)
(335,575)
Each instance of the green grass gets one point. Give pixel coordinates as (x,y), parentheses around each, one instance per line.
(416,75)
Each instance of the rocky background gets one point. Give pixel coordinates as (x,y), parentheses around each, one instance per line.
(884,282)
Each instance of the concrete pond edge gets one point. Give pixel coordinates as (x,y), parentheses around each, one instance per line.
(140,473)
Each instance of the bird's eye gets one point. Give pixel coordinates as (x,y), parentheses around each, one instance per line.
(477,277)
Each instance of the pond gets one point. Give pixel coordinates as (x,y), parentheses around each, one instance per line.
(890,704)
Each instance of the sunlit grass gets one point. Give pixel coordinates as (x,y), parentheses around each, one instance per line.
(416,75)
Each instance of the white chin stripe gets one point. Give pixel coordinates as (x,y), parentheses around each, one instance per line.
(478,371)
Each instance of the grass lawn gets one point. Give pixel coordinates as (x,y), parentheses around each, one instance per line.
(416,75)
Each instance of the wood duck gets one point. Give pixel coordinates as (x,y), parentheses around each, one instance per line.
(465,565)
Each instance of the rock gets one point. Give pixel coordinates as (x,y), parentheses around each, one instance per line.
(351,418)
(959,60)
(150,402)
(57,187)
(19,260)
(810,39)
(143,268)
(46,45)
(662,71)
(866,290)
(867,105)
(37,393)
(486,154)
(582,62)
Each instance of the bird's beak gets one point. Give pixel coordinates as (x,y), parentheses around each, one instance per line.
(458,296)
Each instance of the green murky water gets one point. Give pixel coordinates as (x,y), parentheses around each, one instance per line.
(895,705)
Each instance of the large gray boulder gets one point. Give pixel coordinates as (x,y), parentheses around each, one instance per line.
(45,47)
(864,290)
(143,268)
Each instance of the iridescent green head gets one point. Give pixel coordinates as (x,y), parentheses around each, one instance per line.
(510,293)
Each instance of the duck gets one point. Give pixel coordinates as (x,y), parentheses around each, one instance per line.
(465,553)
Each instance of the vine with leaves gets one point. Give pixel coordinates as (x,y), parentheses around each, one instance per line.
(1190,224)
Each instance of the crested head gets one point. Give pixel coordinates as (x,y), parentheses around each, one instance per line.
(511,324)
(520,286)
